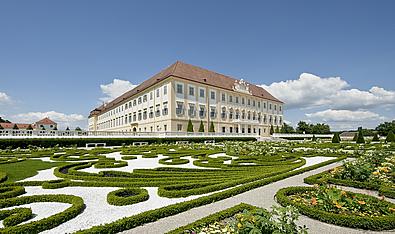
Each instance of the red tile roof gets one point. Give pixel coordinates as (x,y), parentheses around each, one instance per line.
(188,72)
(11,125)
(46,120)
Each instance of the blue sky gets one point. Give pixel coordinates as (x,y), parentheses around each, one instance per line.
(60,58)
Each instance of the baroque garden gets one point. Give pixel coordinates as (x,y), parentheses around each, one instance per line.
(196,187)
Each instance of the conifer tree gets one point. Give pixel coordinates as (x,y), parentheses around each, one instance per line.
(376,138)
(336,138)
(201,127)
(390,137)
(211,127)
(190,126)
(360,138)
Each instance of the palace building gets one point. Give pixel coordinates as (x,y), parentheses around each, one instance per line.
(183,92)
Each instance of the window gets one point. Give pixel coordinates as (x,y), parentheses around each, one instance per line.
(165,92)
(253,102)
(139,100)
(212,95)
(151,96)
(223,129)
(270,106)
(180,108)
(145,113)
(191,111)
(213,112)
(230,98)
(165,126)
(145,98)
(264,105)
(134,116)
(201,93)
(237,100)
(223,97)
(157,110)
(242,101)
(134,102)
(140,115)
(248,102)
(275,107)
(279,108)
(223,112)
(259,104)
(179,88)
(151,112)
(202,112)
(157,92)
(126,106)
(165,109)
(179,127)
(191,91)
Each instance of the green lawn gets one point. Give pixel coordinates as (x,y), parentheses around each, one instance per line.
(28,168)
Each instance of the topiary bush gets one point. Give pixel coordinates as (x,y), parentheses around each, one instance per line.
(127,196)
(390,137)
(360,138)
(336,138)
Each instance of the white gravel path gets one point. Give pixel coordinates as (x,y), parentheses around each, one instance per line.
(141,163)
(41,210)
(98,211)
(315,160)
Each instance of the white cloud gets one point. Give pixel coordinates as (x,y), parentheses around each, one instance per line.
(345,116)
(4,98)
(63,120)
(310,91)
(347,119)
(115,89)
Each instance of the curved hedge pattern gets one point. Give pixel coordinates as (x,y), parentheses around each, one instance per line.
(46,223)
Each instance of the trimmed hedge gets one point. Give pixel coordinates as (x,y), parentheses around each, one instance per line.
(173,161)
(11,191)
(154,215)
(15,216)
(81,142)
(46,223)
(127,196)
(221,215)
(321,178)
(346,220)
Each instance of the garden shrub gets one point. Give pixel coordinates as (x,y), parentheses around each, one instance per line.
(127,196)
(390,137)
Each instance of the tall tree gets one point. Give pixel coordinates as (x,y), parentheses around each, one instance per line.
(201,127)
(384,128)
(303,127)
(190,126)
(287,129)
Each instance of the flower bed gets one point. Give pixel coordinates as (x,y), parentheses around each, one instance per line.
(335,206)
